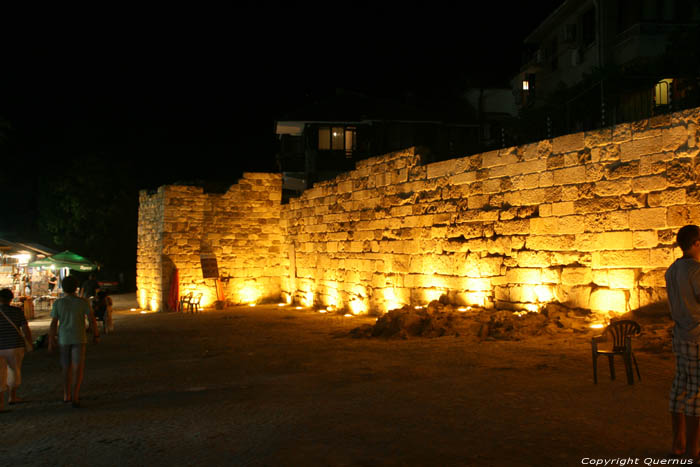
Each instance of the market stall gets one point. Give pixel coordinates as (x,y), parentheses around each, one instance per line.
(58,266)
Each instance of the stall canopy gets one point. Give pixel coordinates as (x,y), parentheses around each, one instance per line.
(66,259)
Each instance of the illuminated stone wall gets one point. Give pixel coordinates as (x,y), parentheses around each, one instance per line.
(241,228)
(149,247)
(586,219)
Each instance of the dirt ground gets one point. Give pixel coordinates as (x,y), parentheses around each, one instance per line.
(274,385)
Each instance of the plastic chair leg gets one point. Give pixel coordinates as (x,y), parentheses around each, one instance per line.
(595,368)
(634,359)
(611,363)
(628,369)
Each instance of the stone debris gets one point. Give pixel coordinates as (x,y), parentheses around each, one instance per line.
(440,319)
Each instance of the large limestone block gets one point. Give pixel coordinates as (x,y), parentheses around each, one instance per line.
(570,175)
(607,221)
(608,300)
(678,216)
(533,259)
(635,149)
(621,278)
(605,241)
(675,137)
(645,219)
(524,276)
(551,242)
(576,276)
(649,183)
(496,158)
(645,239)
(568,143)
(613,188)
(574,296)
(621,259)
(667,197)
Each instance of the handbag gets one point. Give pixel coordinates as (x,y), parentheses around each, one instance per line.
(28,346)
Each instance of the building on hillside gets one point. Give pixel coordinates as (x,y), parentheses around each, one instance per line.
(328,137)
(594,63)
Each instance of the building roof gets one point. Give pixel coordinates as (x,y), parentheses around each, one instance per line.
(7,246)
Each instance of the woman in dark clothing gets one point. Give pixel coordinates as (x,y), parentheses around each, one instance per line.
(11,347)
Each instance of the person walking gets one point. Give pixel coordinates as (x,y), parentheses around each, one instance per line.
(11,347)
(68,320)
(89,288)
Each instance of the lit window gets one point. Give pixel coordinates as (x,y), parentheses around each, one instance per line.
(324,138)
(338,137)
(350,140)
(526,85)
(662,90)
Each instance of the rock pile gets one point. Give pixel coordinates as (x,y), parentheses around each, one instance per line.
(441,319)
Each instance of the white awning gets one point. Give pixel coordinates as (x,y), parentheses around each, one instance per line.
(290,128)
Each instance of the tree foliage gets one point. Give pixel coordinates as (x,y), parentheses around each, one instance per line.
(90,206)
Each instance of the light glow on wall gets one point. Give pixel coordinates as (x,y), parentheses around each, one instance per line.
(391,302)
(154,304)
(308,299)
(143,299)
(477,298)
(248,294)
(357,307)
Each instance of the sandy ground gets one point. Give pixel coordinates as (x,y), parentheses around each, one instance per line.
(279,386)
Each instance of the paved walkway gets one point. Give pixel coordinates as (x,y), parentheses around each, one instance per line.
(279,386)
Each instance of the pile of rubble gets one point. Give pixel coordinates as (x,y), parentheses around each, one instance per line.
(443,319)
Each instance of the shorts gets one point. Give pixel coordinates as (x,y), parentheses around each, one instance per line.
(11,368)
(685,391)
(72,355)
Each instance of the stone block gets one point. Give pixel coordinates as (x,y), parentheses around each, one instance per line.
(675,137)
(604,241)
(551,242)
(653,278)
(524,276)
(607,221)
(654,163)
(646,219)
(667,197)
(635,149)
(531,197)
(661,257)
(649,183)
(533,259)
(576,276)
(609,300)
(645,239)
(568,143)
(562,209)
(441,169)
(599,137)
(620,259)
(612,188)
(496,158)
(462,178)
(569,175)
(574,296)
(621,278)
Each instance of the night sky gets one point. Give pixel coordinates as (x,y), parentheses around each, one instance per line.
(190,95)
(208,85)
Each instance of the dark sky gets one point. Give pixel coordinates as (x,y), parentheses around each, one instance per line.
(207,86)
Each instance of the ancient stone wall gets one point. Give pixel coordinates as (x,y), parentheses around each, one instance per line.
(149,248)
(241,228)
(586,219)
